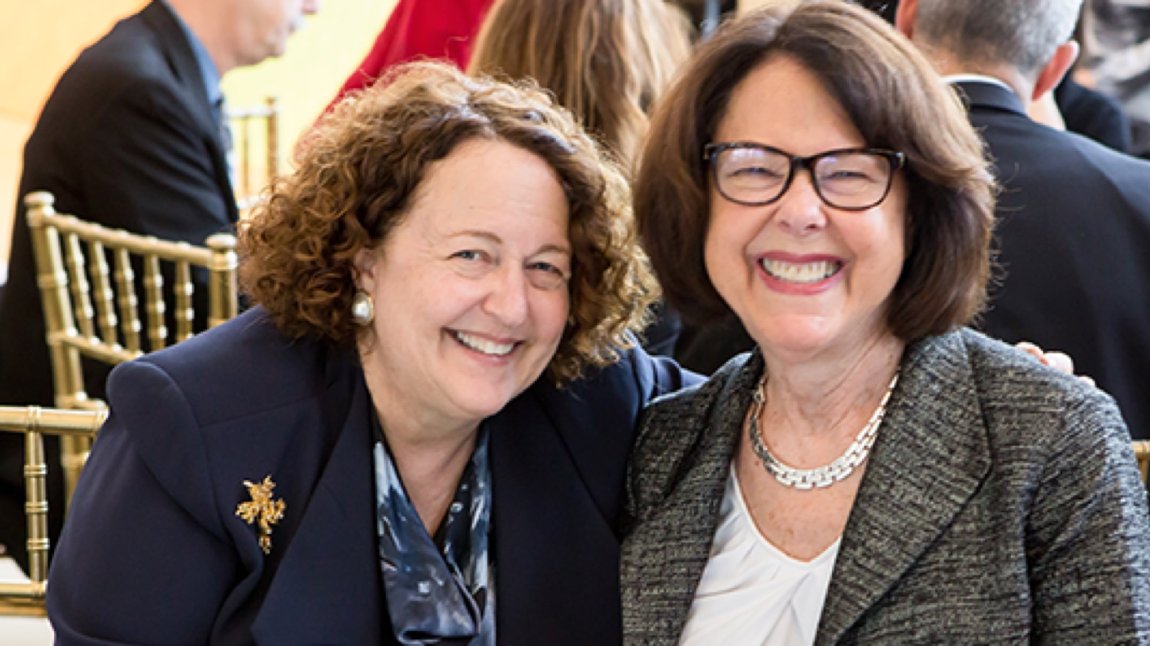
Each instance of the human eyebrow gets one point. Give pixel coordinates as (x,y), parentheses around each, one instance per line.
(487,235)
(554,248)
(475,233)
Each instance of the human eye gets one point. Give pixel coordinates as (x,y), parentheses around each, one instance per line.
(752,166)
(471,262)
(547,275)
(846,177)
(852,168)
(752,171)
(546,267)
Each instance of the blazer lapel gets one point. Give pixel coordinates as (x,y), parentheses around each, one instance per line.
(664,557)
(186,71)
(930,457)
(556,555)
(325,589)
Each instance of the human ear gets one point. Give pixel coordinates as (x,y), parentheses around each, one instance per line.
(904,17)
(1060,63)
(365,261)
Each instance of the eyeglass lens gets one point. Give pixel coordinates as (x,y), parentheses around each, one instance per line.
(843,179)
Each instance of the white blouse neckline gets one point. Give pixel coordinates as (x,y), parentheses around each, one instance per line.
(751,592)
(735,489)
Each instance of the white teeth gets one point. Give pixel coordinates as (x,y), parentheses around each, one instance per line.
(808,272)
(483,345)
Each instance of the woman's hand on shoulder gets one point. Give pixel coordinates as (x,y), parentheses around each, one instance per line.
(1053,358)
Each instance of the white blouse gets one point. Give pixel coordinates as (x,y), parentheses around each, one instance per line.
(753,593)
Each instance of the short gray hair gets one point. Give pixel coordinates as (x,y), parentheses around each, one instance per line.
(1020,33)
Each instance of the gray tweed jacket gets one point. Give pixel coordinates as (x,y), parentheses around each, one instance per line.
(1000,504)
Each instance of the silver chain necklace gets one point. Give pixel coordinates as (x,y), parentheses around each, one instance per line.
(827,474)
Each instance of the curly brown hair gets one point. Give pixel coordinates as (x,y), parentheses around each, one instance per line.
(360,167)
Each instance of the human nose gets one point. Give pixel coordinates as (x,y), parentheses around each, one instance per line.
(507,300)
(800,206)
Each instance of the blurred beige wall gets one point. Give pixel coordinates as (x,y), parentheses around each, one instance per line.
(39,39)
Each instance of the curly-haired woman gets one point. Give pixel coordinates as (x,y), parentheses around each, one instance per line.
(370,455)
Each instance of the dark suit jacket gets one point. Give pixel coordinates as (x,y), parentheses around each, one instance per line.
(1074,244)
(1093,114)
(153,553)
(706,347)
(127,139)
(1000,504)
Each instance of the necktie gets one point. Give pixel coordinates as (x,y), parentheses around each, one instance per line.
(219,107)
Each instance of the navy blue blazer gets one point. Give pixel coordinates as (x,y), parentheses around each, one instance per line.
(153,552)
(1073,238)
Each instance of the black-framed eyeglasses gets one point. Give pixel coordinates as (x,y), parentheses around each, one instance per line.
(851,179)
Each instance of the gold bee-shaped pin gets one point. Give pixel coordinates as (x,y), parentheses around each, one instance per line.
(262,509)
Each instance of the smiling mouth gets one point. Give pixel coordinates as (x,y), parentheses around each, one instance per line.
(483,346)
(803,273)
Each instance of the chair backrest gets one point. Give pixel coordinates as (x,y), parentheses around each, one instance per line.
(1142,454)
(254,130)
(26,597)
(92,312)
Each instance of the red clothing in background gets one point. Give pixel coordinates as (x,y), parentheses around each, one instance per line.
(443,29)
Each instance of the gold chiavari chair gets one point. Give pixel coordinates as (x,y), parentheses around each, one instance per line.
(90,311)
(26,597)
(254,129)
(1142,453)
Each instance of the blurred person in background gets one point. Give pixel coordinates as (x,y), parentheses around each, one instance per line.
(417,29)
(1116,61)
(132,137)
(1073,216)
(607,61)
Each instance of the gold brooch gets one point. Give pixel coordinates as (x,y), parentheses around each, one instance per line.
(262,509)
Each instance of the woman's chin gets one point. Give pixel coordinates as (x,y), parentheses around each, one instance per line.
(794,336)
(484,400)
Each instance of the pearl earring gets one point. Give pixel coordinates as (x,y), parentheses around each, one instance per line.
(362,308)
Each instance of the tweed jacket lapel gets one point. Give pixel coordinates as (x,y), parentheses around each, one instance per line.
(929,459)
(663,558)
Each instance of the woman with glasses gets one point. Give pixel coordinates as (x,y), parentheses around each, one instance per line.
(873,471)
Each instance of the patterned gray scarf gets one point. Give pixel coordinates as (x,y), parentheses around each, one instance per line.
(439,590)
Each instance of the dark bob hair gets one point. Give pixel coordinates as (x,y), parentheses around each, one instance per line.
(358,171)
(895,100)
